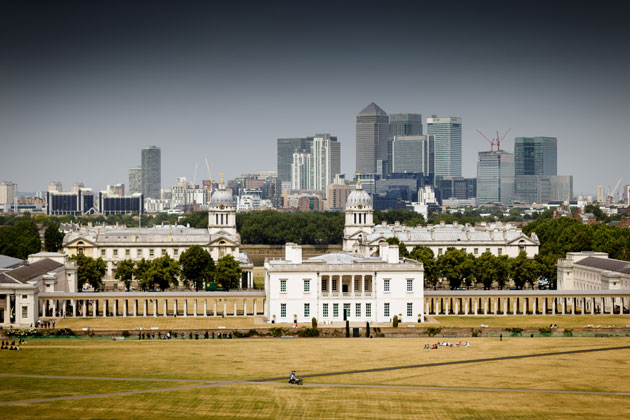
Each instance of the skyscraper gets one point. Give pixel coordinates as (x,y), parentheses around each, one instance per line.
(372,139)
(319,156)
(135,180)
(402,125)
(325,161)
(285,150)
(495,177)
(447,132)
(151,172)
(536,156)
(301,171)
(412,154)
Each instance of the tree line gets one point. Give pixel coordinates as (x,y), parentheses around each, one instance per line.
(194,269)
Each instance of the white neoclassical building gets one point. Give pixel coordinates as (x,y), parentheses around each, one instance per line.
(338,286)
(362,237)
(592,271)
(114,244)
(45,272)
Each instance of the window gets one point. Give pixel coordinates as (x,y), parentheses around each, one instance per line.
(324,285)
(357,309)
(176,252)
(476,251)
(24,297)
(346,310)
(386,285)
(163,251)
(151,253)
(325,310)
(24,311)
(357,284)
(439,251)
(409,309)
(487,249)
(368,310)
(500,251)
(283,310)
(127,252)
(335,310)
(410,285)
(115,253)
(334,285)
(366,284)
(102,252)
(283,286)
(307,310)
(307,286)
(386,309)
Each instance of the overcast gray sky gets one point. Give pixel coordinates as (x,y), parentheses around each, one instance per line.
(84,85)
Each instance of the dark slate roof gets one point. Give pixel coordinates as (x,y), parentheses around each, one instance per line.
(606,264)
(7,262)
(372,109)
(29,272)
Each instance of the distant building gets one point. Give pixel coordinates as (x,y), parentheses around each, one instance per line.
(495,177)
(135,180)
(402,125)
(372,136)
(151,159)
(76,187)
(8,195)
(544,189)
(118,189)
(55,186)
(447,132)
(456,187)
(75,203)
(413,154)
(120,204)
(589,270)
(535,156)
(285,150)
(336,196)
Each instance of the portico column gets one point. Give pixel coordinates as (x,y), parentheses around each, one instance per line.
(63,308)
(7,309)
(235,308)
(74,308)
(175,308)
(195,307)
(437,305)
(94,308)
(224,307)
(54,313)
(205,307)
(494,301)
(514,306)
(135,308)
(244,307)
(583,304)
(165,307)
(255,309)
(506,302)
(185,307)
(466,306)
(485,306)
(145,307)
(84,312)
(476,306)
(447,303)
(545,306)
(155,307)
(105,307)
(214,312)
(563,303)
(573,306)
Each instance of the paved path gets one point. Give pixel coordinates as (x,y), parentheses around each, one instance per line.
(208,384)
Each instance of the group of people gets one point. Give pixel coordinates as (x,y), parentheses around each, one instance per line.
(151,336)
(45,324)
(11,346)
(445,344)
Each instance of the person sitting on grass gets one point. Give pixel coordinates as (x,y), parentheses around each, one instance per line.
(292,377)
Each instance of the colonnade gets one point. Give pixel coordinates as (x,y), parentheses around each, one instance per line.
(347,285)
(151,304)
(525,303)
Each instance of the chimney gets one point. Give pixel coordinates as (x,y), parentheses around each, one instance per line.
(293,253)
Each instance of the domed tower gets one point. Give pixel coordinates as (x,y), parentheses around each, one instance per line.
(359,219)
(222,213)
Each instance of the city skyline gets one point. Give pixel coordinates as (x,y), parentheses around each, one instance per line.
(85,86)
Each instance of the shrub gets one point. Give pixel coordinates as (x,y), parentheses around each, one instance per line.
(308,332)
(125,333)
(367,329)
(23,332)
(568,332)
(244,334)
(431,331)
(276,332)
(516,331)
(395,322)
(546,331)
(476,333)
(314,322)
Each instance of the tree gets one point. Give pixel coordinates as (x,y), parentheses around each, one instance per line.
(141,267)
(228,272)
(426,257)
(125,272)
(89,271)
(523,270)
(197,267)
(452,266)
(487,268)
(162,273)
(53,238)
(20,240)
(402,248)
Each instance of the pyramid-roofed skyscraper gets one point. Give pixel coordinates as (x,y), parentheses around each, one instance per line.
(372,137)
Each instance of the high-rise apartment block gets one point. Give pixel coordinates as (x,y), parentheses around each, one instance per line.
(413,154)
(447,132)
(285,150)
(135,180)
(372,137)
(495,177)
(301,170)
(151,160)
(312,162)
(8,192)
(55,186)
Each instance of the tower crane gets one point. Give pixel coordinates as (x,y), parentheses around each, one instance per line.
(495,142)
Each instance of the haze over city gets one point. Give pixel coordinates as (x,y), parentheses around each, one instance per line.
(86,85)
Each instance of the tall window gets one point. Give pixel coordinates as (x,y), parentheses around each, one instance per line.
(307,286)
(368,310)
(409,285)
(357,309)
(439,251)
(324,285)
(102,252)
(386,309)
(346,310)
(335,310)
(409,309)
(476,251)
(500,251)
(24,311)
(283,310)
(127,252)
(386,285)
(357,284)
(325,310)
(283,286)
(115,253)
(334,285)
(307,310)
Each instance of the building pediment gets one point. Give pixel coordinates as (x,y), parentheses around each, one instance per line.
(74,242)
(521,240)
(225,239)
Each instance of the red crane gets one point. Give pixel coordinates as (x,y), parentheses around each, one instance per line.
(495,142)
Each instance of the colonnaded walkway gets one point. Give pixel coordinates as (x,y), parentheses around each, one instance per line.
(209,383)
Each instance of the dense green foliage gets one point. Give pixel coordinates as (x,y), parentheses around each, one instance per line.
(90,271)
(227,272)
(124,272)
(271,227)
(53,237)
(162,273)
(20,240)
(197,267)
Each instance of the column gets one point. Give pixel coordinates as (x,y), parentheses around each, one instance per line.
(255,309)
(115,307)
(234,308)
(205,307)
(155,307)
(494,300)
(224,307)
(514,306)
(545,306)
(506,302)
(7,309)
(244,307)
(165,307)
(214,312)
(54,313)
(74,308)
(185,307)
(84,312)
(125,307)
(135,308)
(563,303)
(554,304)
(485,306)
(437,305)
(63,308)
(466,306)
(447,304)
(195,307)
(94,308)
(105,307)
(573,300)
(146,306)
(583,301)
(175,308)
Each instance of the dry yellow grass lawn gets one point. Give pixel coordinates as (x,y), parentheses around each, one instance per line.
(163,323)
(535,321)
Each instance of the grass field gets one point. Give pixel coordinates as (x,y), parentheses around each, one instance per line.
(535,321)
(183,362)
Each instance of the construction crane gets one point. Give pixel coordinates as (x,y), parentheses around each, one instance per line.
(611,194)
(495,142)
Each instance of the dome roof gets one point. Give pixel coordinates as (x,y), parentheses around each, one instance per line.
(221,196)
(358,196)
